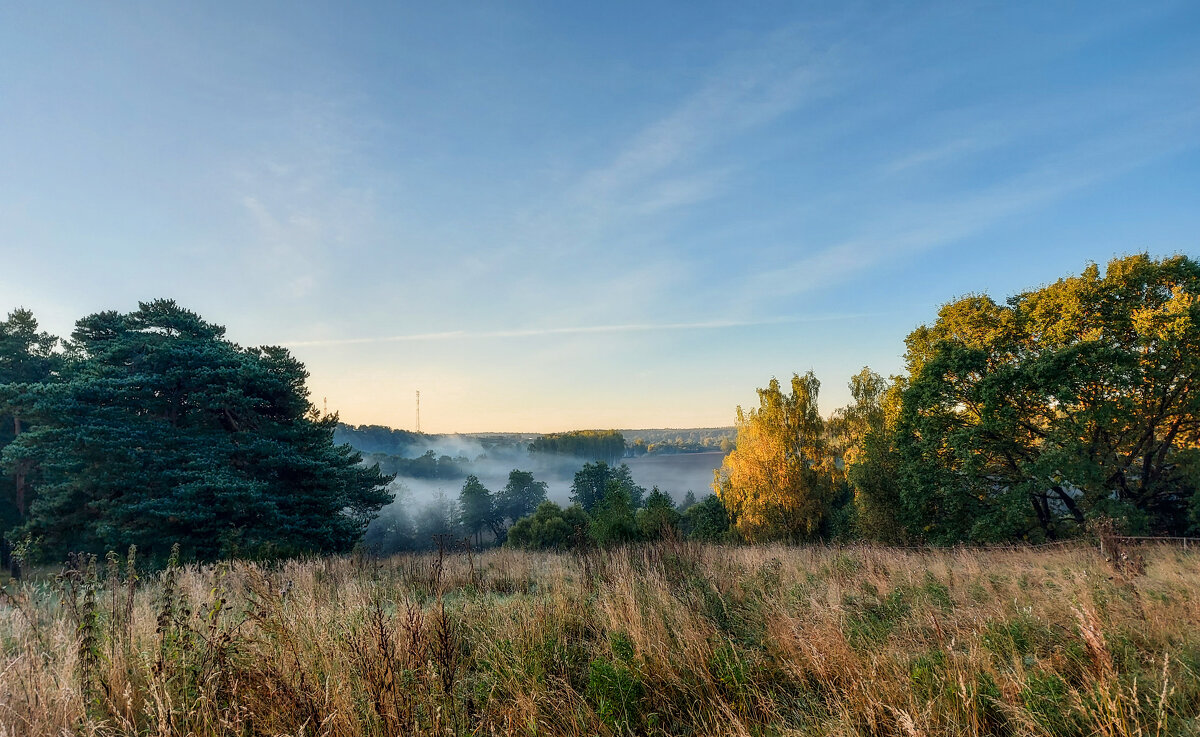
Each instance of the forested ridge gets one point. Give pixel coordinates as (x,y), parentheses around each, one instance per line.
(1021,420)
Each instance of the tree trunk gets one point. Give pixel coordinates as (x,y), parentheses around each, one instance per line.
(19,475)
(19,481)
(1072,507)
(1043,513)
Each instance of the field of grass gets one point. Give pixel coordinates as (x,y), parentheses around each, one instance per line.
(664,639)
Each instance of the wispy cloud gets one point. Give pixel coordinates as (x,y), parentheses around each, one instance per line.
(450,335)
(295,207)
(916,227)
(660,163)
(627,204)
(949,151)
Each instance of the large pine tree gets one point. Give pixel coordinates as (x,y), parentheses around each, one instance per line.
(160,430)
(27,358)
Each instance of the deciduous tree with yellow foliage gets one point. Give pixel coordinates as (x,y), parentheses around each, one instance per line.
(780,479)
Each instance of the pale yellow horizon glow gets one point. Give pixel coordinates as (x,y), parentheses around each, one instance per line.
(555,379)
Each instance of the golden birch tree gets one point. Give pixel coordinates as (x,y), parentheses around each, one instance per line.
(780,479)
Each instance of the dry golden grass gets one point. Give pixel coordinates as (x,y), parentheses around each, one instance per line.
(664,639)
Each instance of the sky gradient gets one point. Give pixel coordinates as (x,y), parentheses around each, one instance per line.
(563,215)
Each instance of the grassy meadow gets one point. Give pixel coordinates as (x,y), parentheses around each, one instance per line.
(672,638)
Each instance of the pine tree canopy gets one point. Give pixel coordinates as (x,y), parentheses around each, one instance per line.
(158,430)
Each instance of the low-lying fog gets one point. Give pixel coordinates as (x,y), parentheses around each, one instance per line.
(675,474)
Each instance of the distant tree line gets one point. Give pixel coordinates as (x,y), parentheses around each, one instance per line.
(376,439)
(400,452)
(429,465)
(668,442)
(600,445)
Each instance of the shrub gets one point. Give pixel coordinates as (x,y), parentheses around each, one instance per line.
(708,520)
(613,522)
(658,518)
(549,528)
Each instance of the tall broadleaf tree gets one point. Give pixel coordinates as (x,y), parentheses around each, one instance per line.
(1025,418)
(521,496)
(864,431)
(164,431)
(613,518)
(591,484)
(477,509)
(780,480)
(659,517)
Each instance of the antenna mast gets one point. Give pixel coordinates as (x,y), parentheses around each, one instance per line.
(418,411)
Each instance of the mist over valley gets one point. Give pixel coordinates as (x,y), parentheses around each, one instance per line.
(431,469)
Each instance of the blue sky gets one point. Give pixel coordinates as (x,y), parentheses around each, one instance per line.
(564,215)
